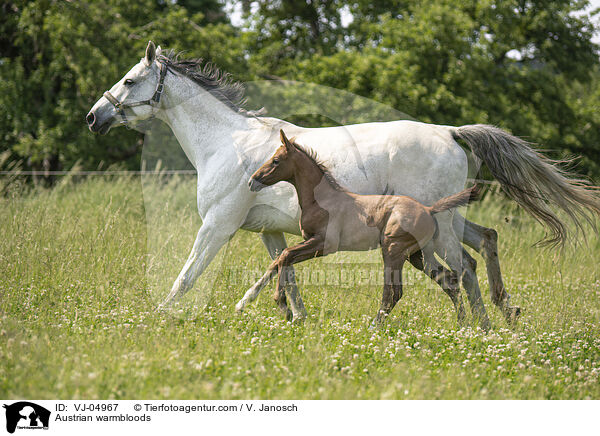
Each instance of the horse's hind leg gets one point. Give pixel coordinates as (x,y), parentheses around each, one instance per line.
(280,295)
(425,261)
(448,247)
(485,241)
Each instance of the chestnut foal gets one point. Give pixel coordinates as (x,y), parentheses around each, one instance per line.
(334,219)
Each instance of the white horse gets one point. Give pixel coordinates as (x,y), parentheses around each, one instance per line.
(227,144)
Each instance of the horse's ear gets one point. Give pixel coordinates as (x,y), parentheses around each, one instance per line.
(158,51)
(284,140)
(150,53)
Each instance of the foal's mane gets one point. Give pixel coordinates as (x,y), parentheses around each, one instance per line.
(214,80)
(312,155)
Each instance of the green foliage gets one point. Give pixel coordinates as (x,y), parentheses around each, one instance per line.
(61,56)
(296,29)
(511,64)
(529,67)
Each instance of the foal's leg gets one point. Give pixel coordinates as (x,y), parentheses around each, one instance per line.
(485,241)
(425,261)
(275,243)
(253,292)
(394,256)
(308,249)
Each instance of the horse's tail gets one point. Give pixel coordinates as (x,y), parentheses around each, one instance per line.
(533,180)
(459,199)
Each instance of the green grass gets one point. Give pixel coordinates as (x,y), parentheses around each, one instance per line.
(83,266)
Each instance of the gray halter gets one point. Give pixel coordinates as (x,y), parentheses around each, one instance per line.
(153,101)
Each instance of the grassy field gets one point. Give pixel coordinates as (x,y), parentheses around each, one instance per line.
(83,266)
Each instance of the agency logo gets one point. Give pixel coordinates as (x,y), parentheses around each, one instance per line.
(26,415)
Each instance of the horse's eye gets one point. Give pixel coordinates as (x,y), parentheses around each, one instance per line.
(129,82)
(275,161)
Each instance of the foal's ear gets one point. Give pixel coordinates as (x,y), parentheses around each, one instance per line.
(150,53)
(284,140)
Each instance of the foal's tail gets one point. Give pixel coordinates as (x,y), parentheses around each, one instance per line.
(532,180)
(459,199)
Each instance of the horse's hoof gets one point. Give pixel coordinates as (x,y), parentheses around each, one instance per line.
(289,316)
(377,322)
(298,319)
(239,307)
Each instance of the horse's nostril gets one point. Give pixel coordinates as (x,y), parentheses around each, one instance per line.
(90,118)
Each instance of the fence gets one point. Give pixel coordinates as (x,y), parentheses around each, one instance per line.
(143,173)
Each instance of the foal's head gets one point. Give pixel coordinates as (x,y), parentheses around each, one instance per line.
(279,168)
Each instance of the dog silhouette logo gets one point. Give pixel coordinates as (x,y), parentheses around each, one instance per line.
(26,415)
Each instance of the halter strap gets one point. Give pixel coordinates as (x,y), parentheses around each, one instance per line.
(153,101)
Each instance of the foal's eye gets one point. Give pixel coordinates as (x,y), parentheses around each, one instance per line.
(129,82)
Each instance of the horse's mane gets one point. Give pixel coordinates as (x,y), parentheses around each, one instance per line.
(312,155)
(206,74)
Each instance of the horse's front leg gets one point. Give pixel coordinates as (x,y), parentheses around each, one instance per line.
(211,237)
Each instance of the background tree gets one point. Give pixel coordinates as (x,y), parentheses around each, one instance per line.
(57,57)
(527,66)
(505,63)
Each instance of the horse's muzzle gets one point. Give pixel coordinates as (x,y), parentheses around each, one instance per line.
(255,185)
(96,125)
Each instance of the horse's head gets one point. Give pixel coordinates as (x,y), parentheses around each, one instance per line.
(279,168)
(133,98)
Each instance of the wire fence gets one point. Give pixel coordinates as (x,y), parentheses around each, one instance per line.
(96,173)
(18,173)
